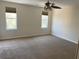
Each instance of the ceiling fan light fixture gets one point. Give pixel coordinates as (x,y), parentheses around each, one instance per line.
(46,8)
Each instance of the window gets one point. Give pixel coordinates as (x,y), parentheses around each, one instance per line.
(44,23)
(11,19)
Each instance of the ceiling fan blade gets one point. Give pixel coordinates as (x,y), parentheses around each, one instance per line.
(56,7)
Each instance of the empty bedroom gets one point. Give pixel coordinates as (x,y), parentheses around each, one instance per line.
(39,29)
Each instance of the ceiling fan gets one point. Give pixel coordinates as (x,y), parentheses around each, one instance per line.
(49,5)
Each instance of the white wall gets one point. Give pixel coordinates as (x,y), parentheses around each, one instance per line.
(28,19)
(66,23)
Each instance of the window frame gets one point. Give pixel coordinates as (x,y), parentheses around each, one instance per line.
(10,11)
(47,22)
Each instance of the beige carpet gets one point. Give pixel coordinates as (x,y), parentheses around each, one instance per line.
(43,47)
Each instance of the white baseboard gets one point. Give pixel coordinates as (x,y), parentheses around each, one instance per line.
(27,36)
(65,39)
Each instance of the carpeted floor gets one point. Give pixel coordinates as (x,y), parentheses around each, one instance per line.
(43,47)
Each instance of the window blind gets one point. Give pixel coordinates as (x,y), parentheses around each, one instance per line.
(10,10)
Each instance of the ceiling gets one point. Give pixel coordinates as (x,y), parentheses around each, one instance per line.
(41,2)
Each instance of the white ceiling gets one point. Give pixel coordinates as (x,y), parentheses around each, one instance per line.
(41,2)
